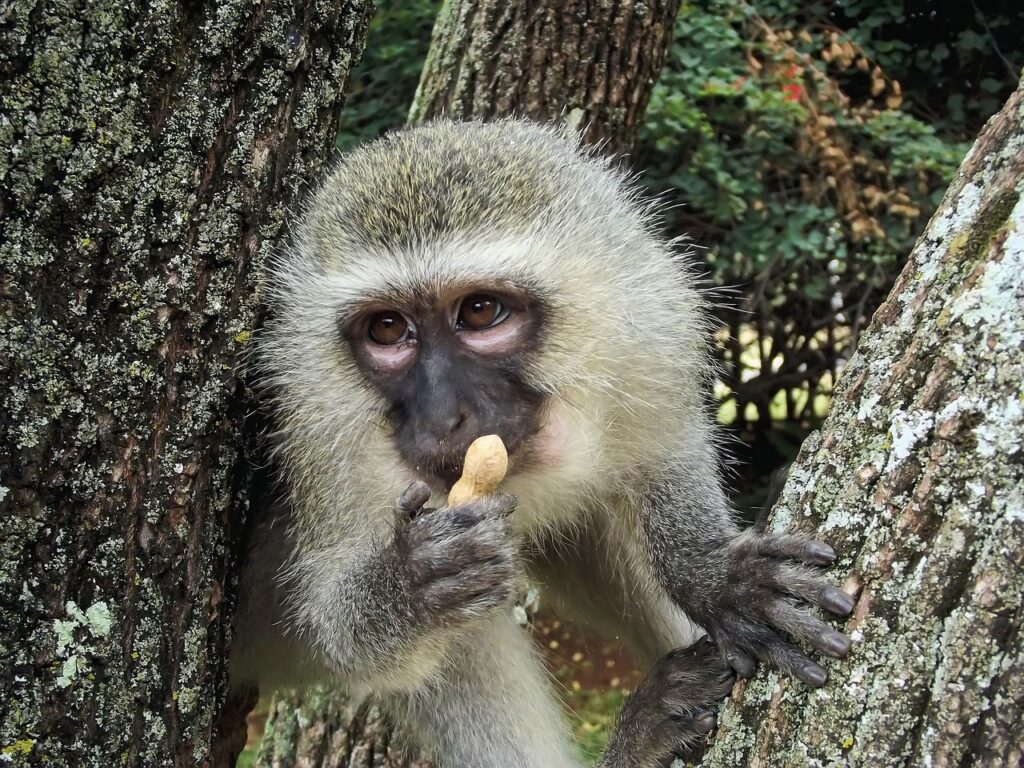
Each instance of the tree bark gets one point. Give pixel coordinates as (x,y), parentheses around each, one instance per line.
(592,65)
(916,478)
(320,728)
(149,154)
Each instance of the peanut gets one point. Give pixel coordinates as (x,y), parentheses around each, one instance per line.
(482,472)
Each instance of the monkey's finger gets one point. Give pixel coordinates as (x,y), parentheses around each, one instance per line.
(797,548)
(782,656)
(808,585)
(495,505)
(704,721)
(803,626)
(504,504)
(702,644)
(740,662)
(411,502)
(711,683)
(466,587)
(468,594)
(427,533)
(449,556)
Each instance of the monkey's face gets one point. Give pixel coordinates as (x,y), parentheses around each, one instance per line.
(462,279)
(450,366)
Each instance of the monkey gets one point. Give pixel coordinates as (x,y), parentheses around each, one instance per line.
(458,279)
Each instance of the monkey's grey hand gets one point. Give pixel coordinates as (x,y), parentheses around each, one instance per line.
(746,594)
(672,709)
(460,562)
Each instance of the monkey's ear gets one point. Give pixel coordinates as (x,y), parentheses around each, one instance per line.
(410,504)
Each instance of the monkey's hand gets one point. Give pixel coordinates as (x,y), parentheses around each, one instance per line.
(672,709)
(746,593)
(460,562)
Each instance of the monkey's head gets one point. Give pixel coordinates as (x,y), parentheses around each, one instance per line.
(461,279)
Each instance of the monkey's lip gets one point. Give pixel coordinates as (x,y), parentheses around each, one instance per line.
(438,473)
(448,480)
(449,474)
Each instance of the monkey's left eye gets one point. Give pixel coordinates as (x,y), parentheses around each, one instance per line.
(388,327)
(480,311)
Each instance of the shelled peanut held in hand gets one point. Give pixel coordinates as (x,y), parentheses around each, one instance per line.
(482,471)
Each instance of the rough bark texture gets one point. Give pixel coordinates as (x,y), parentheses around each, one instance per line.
(319,729)
(592,65)
(917,479)
(148,154)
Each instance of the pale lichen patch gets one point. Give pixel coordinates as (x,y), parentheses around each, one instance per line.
(867,406)
(906,430)
(1003,428)
(954,218)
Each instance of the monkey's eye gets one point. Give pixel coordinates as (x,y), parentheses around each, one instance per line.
(480,311)
(388,327)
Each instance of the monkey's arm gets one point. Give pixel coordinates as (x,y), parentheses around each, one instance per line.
(744,587)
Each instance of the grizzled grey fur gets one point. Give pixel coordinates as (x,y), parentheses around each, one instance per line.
(614,504)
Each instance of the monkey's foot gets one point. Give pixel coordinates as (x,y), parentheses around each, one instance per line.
(672,710)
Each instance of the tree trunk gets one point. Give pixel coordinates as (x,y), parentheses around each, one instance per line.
(917,480)
(592,65)
(149,154)
(318,728)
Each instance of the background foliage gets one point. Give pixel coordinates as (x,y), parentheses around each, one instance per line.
(382,90)
(808,143)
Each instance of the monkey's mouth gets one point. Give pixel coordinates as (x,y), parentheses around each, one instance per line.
(447,469)
(449,475)
(443,470)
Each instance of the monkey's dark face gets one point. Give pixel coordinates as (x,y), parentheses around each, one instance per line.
(450,367)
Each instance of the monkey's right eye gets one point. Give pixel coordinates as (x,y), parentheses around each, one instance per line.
(388,327)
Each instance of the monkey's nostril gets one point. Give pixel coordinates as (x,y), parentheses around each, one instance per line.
(456,421)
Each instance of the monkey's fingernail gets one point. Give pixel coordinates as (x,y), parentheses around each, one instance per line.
(416,493)
(704,721)
(819,552)
(836,644)
(837,601)
(813,675)
(415,496)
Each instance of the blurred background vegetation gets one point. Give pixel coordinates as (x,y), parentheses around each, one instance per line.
(801,146)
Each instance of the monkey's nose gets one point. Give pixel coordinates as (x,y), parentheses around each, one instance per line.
(446,428)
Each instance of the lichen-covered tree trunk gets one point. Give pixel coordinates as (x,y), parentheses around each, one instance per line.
(917,478)
(592,65)
(147,155)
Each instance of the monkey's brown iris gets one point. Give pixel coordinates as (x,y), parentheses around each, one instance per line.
(480,311)
(388,327)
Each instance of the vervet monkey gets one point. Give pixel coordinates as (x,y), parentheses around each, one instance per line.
(461,279)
